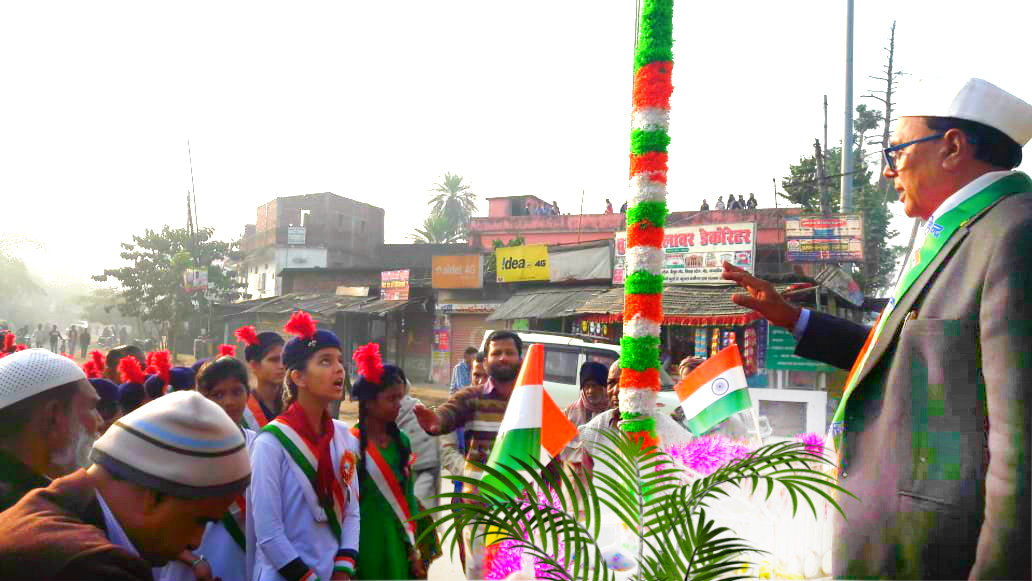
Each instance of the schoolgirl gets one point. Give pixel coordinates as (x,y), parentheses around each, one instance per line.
(388,500)
(303,511)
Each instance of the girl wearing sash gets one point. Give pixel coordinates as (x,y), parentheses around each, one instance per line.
(264,355)
(222,552)
(303,512)
(385,474)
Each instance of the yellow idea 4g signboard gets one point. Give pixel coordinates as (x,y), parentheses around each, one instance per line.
(521,263)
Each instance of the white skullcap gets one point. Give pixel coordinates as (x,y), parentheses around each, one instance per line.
(978,101)
(26,373)
(181,444)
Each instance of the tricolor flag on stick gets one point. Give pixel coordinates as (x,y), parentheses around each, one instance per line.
(714,391)
(533,426)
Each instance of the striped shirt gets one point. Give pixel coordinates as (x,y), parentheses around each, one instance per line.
(478,409)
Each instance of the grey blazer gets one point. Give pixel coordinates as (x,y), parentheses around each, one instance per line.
(937,438)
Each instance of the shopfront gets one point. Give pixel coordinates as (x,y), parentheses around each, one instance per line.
(791,394)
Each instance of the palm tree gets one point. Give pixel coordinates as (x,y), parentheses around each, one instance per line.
(436,230)
(454,201)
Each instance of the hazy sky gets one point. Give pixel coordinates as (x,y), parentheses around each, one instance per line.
(376,100)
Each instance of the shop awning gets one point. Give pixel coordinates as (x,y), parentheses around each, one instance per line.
(699,305)
(315,303)
(545,303)
(380,307)
(325,305)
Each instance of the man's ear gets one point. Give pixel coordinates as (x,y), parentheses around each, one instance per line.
(52,418)
(957,149)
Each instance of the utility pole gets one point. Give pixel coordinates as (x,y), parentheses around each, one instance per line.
(822,184)
(847,136)
(825,128)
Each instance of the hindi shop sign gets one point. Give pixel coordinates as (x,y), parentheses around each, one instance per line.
(394,285)
(835,238)
(694,254)
(522,263)
(464,271)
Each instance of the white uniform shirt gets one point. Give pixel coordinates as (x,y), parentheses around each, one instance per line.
(281,525)
(228,561)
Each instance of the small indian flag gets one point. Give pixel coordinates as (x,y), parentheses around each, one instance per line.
(533,425)
(714,391)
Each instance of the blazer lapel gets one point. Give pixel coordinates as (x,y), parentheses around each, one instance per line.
(906,303)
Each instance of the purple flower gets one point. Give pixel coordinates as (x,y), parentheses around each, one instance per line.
(707,454)
(507,558)
(813,441)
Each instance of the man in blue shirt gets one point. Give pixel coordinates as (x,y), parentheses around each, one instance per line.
(461,376)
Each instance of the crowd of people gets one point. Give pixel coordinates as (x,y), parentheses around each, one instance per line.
(732,203)
(106,460)
(74,340)
(130,467)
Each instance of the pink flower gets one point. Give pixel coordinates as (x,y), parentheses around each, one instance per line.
(813,441)
(705,455)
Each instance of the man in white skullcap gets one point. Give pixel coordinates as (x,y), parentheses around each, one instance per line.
(934,430)
(160,475)
(45,404)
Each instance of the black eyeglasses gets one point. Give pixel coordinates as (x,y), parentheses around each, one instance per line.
(890,153)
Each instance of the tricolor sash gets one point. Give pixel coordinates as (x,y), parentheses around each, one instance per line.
(234,519)
(939,233)
(387,483)
(304,456)
(254,417)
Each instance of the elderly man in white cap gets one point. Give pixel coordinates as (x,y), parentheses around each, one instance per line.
(933,431)
(46,404)
(160,475)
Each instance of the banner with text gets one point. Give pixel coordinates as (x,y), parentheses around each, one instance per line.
(394,285)
(694,254)
(835,238)
(522,263)
(195,279)
(463,271)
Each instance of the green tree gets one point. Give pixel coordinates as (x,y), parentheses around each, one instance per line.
(455,201)
(436,229)
(152,286)
(801,187)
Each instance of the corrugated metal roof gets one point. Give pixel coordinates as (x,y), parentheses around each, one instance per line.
(323,304)
(545,303)
(682,305)
(317,303)
(378,307)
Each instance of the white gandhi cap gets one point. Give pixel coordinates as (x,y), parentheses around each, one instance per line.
(982,102)
(32,371)
(181,444)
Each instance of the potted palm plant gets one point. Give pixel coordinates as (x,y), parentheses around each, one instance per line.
(558,520)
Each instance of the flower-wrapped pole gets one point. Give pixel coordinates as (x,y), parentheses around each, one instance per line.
(646,217)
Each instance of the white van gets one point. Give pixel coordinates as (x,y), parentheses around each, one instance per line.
(564,355)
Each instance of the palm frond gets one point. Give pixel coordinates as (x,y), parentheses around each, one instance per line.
(539,511)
